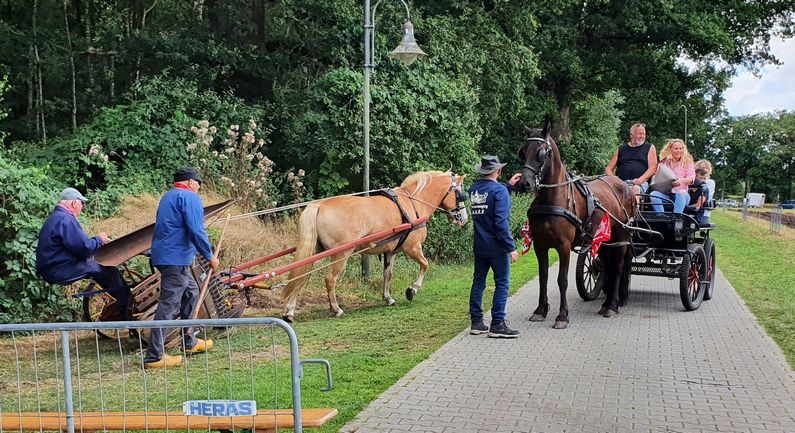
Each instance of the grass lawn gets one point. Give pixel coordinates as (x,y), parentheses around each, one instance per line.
(761,266)
(373,346)
(369,348)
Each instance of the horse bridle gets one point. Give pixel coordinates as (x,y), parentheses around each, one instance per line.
(544,153)
(460,200)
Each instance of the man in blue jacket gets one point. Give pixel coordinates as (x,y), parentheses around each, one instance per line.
(493,247)
(64,252)
(179,233)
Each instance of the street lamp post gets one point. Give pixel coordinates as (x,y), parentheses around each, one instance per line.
(407,52)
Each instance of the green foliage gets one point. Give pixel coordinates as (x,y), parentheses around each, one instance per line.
(756,154)
(142,142)
(27,197)
(448,243)
(421,120)
(595,121)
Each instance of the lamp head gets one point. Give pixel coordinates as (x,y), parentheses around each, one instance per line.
(407,51)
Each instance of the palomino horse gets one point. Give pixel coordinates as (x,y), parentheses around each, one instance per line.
(341,220)
(566,213)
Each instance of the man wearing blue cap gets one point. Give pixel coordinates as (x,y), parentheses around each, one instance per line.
(179,234)
(493,246)
(64,252)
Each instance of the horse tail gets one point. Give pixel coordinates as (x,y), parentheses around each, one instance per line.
(307,245)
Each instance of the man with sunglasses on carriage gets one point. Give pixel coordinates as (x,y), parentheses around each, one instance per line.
(634,162)
(64,253)
(179,233)
(493,246)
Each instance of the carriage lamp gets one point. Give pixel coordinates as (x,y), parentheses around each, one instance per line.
(407,52)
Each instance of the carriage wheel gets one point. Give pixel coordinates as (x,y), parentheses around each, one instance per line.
(692,272)
(709,248)
(102,307)
(590,277)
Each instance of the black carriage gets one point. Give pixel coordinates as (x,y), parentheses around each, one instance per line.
(664,244)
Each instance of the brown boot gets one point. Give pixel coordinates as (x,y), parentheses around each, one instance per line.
(165,362)
(201,346)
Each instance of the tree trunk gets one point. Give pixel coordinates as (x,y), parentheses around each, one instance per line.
(39,81)
(561,131)
(112,77)
(198,8)
(33,112)
(143,25)
(89,57)
(259,18)
(70,47)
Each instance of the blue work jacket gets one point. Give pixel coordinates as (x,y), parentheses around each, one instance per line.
(491,209)
(179,229)
(64,249)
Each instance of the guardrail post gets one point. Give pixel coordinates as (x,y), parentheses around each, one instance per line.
(67,382)
(298,374)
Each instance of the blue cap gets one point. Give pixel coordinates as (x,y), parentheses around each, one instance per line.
(72,194)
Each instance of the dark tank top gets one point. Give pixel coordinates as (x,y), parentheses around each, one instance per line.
(632,161)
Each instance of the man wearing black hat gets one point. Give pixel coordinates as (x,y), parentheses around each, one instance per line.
(493,247)
(179,233)
(64,253)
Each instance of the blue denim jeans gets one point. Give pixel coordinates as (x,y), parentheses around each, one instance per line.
(680,199)
(501,265)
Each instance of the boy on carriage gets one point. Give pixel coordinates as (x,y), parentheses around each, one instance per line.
(699,197)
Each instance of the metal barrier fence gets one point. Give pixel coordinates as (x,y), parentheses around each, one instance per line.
(67,377)
(745,211)
(775,220)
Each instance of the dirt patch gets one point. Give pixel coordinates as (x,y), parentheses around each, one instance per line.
(787,219)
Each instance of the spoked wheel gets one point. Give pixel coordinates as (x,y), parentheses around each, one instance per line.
(590,276)
(709,248)
(101,307)
(692,278)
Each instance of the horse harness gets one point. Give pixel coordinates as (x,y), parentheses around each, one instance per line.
(591,202)
(404,217)
(390,193)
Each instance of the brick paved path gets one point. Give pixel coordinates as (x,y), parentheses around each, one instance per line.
(654,368)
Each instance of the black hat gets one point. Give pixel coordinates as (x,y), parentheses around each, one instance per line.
(489,164)
(187,173)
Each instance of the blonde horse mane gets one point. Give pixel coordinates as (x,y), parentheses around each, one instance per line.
(422,179)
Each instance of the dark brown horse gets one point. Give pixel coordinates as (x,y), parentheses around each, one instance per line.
(565,214)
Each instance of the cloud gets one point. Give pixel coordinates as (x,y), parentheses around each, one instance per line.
(773,90)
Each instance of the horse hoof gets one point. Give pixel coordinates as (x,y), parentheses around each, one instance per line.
(410,292)
(390,302)
(560,324)
(610,313)
(339,313)
(537,318)
(288,319)
(602,311)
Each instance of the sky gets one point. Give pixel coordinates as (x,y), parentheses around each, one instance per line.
(773,90)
